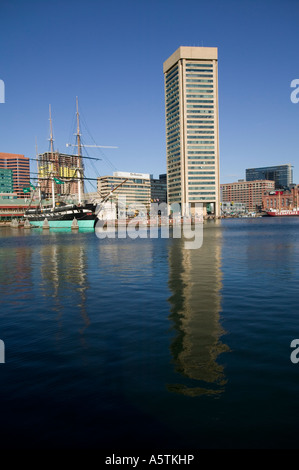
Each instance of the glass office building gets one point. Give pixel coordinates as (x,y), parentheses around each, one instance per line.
(6,180)
(192,135)
(281,174)
(20,171)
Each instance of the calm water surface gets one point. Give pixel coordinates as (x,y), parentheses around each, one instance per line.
(116,344)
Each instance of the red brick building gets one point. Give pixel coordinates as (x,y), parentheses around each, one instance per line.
(20,168)
(249,192)
(288,199)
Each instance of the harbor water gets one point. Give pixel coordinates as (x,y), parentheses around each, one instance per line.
(142,344)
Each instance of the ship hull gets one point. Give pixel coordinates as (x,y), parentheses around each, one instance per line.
(284,213)
(63,217)
(82,224)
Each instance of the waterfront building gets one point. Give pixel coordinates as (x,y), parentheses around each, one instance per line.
(233,208)
(281,174)
(284,199)
(19,164)
(136,187)
(159,189)
(12,207)
(6,180)
(192,135)
(248,192)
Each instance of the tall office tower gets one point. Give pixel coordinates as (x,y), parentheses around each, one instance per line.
(20,170)
(192,135)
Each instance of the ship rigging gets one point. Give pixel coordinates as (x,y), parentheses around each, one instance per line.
(60,179)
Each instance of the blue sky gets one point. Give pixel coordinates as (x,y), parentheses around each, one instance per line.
(111,54)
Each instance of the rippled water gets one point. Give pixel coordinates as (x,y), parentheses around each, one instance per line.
(116,344)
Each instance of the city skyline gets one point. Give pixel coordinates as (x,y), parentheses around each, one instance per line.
(111,57)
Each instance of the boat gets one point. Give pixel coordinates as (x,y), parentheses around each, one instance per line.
(291,211)
(63,215)
(52,169)
(282,212)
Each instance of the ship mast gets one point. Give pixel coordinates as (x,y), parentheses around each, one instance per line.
(52,156)
(38,173)
(79,153)
(51,133)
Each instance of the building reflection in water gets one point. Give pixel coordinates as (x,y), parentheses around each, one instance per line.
(195,281)
(63,278)
(119,258)
(16,274)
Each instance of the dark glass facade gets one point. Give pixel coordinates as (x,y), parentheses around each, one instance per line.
(6,180)
(281,174)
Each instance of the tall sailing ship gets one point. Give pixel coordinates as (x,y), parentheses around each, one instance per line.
(61,189)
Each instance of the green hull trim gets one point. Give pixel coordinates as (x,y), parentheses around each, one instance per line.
(64,224)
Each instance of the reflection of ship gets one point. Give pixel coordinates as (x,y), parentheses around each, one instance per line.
(60,179)
(195,280)
(54,279)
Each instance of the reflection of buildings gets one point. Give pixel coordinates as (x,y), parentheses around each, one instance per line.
(16,272)
(195,280)
(63,278)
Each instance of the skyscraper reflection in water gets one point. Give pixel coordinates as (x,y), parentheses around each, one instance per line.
(63,280)
(195,280)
